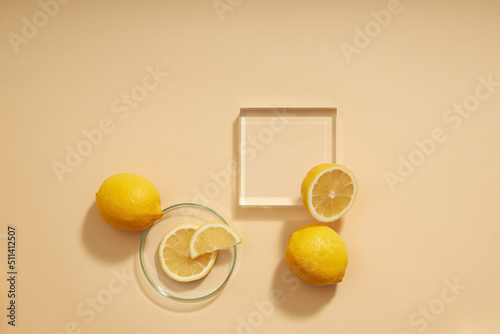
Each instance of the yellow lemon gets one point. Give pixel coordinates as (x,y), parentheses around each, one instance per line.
(328,191)
(317,255)
(211,237)
(175,259)
(128,202)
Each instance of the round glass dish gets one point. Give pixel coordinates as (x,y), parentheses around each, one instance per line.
(201,289)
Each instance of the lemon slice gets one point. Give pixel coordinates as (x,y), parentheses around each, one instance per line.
(328,191)
(175,259)
(211,237)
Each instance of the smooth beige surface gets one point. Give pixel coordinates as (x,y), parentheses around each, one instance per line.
(163,81)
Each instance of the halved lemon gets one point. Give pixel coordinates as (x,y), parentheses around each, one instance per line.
(175,259)
(328,191)
(211,237)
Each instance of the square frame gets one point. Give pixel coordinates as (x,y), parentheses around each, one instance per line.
(277,147)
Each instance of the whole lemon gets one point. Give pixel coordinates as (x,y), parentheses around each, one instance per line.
(128,202)
(317,255)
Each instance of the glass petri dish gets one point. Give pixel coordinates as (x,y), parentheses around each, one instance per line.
(166,287)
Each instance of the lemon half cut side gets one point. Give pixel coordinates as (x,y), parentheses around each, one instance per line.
(328,191)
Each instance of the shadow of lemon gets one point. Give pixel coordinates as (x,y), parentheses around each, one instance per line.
(107,243)
(298,298)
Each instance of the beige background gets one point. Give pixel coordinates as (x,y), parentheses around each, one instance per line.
(423,247)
